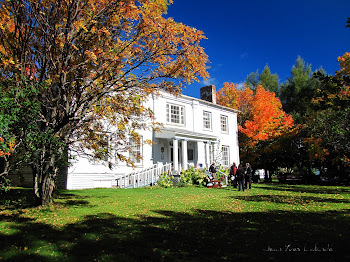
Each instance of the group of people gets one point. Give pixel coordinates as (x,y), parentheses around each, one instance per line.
(241,176)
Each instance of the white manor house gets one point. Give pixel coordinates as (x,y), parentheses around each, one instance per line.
(196,132)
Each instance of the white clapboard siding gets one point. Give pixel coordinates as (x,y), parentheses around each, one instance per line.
(85,181)
(141,178)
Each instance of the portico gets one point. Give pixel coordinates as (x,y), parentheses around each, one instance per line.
(186,148)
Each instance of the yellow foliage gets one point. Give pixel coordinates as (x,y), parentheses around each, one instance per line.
(95,51)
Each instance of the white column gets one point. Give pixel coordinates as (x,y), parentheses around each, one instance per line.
(200,154)
(176,154)
(184,154)
(207,154)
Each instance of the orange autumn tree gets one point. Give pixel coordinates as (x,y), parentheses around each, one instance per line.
(268,120)
(241,100)
(92,63)
(261,115)
(262,124)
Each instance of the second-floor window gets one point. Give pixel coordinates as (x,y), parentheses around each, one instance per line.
(223,122)
(175,114)
(207,120)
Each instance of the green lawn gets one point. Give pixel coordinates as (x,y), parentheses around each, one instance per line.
(271,222)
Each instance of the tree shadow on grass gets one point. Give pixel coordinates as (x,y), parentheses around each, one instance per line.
(17,198)
(200,235)
(282,199)
(21,198)
(73,200)
(307,189)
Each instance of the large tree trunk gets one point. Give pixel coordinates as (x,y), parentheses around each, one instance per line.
(45,172)
(44,183)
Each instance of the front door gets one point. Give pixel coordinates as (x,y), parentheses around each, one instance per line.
(172,154)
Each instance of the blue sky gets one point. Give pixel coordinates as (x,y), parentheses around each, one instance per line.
(245,35)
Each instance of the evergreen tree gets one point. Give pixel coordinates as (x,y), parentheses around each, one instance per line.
(297,92)
(252,80)
(269,81)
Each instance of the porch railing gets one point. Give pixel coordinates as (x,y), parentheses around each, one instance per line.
(142,178)
(223,174)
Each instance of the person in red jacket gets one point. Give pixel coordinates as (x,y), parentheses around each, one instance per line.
(233,171)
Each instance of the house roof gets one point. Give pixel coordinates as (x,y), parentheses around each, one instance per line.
(200,101)
(177,133)
(210,103)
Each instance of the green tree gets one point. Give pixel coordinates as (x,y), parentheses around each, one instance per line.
(252,80)
(329,123)
(297,92)
(269,81)
(19,113)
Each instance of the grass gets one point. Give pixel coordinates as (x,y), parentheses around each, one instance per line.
(271,222)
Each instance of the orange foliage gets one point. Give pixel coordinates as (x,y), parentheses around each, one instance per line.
(106,38)
(316,150)
(7,147)
(228,95)
(231,97)
(261,114)
(344,62)
(268,119)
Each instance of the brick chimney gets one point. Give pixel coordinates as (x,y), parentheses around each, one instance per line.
(208,93)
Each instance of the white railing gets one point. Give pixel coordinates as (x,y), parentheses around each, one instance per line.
(145,177)
(226,178)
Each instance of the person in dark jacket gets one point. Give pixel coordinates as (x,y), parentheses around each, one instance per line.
(240,176)
(248,176)
(212,170)
(233,171)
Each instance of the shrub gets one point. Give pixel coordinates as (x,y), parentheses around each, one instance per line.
(185,178)
(165,180)
(192,176)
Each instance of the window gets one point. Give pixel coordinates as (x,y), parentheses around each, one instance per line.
(136,151)
(207,120)
(223,122)
(225,155)
(175,114)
